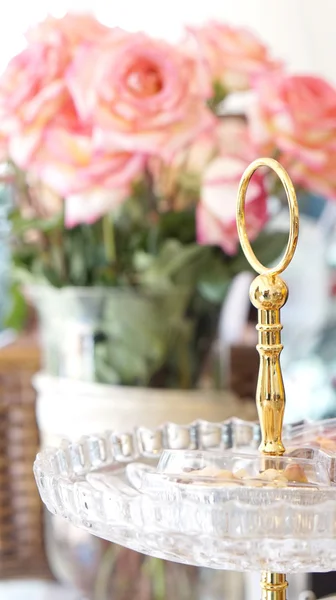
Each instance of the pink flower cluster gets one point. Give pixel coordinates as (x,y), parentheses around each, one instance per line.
(86,109)
(296,117)
(232,57)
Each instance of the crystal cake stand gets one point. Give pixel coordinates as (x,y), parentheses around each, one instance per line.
(208,494)
(103,484)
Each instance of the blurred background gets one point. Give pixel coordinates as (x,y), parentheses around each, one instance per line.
(119,261)
(302,38)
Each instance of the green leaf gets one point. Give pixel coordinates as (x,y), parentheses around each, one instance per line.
(21,225)
(18,311)
(142,261)
(219,93)
(51,276)
(140,331)
(22,276)
(175,263)
(267,247)
(137,335)
(103,369)
(215,280)
(178,225)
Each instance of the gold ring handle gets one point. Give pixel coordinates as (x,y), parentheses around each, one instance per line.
(293,216)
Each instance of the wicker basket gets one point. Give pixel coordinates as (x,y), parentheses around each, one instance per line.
(21,517)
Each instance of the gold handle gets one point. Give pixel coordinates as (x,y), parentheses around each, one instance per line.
(293,216)
(268,293)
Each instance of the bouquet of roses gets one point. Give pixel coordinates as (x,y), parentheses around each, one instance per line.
(125,169)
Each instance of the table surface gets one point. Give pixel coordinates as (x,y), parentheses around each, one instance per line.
(34,590)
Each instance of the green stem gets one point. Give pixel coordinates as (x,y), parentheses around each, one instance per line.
(155,570)
(159,580)
(109,239)
(62,233)
(104,574)
(152,201)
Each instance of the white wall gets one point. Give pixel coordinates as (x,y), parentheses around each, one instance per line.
(300,31)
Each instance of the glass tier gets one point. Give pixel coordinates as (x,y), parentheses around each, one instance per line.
(202,494)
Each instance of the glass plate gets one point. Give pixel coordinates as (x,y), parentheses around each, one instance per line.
(199,494)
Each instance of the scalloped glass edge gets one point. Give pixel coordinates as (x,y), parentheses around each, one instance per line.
(281,536)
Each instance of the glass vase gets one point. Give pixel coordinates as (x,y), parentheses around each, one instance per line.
(127,336)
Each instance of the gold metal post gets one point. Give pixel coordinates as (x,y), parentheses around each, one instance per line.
(273,586)
(268,294)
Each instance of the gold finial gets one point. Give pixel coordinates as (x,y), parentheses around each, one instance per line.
(268,294)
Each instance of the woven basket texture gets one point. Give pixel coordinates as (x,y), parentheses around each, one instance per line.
(22,552)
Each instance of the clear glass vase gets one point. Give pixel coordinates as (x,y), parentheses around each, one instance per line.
(126,336)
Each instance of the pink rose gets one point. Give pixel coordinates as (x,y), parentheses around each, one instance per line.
(232,56)
(70,31)
(68,161)
(32,91)
(3,148)
(44,133)
(137,92)
(216,211)
(46,137)
(33,88)
(295,117)
(92,181)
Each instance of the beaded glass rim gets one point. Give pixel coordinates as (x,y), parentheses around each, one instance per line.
(87,483)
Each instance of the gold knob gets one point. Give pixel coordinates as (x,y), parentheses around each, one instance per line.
(268,293)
